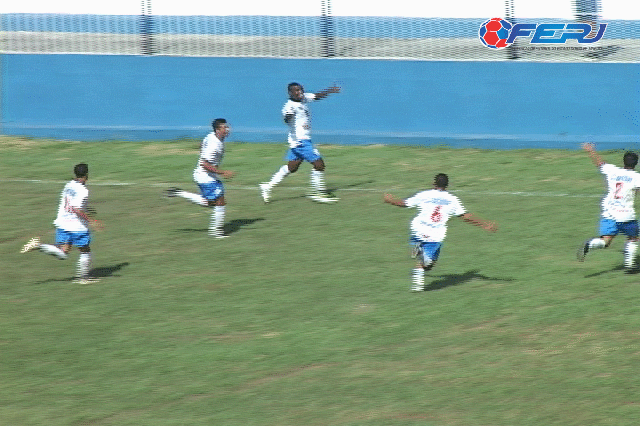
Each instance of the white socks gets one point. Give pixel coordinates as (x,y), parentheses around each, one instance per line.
(84,262)
(596,243)
(277,177)
(216,224)
(417,279)
(317,181)
(630,250)
(194,198)
(53,251)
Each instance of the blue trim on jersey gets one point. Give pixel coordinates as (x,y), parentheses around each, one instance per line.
(211,191)
(78,239)
(611,227)
(304,151)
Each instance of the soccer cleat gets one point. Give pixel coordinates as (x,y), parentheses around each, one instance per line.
(33,244)
(221,237)
(171,192)
(265,190)
(582,251)
(85,281)
(323,197)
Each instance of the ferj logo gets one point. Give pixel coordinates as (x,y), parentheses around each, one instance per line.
(498,33)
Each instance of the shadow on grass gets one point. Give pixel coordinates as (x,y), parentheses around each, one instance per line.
(107,271)
(457,279)
(102,272)
(229,227)
(616,269)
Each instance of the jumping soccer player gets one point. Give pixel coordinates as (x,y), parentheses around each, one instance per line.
(429,227)
(618,214)
(72,225)
(297,116)
(206,175)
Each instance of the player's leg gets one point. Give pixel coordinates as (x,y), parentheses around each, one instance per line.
(82,240)
(194,198)
(318,188)
(426,255)
(59,250)
(293,163)
(214,194)
(630,229)
(608,230)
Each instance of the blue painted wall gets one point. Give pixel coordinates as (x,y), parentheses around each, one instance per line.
(483,104)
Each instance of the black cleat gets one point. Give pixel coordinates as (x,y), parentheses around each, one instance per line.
(171,192)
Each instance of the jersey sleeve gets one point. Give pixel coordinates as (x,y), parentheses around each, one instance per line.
(458,208)
(413,201)
(606,168)
(310,96)
(287,109)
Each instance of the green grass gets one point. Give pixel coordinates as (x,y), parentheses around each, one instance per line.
(304,315)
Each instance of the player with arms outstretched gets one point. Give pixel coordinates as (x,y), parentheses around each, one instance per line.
(429,228)
(618,214)
(207,174)
(71,225)
(297,116)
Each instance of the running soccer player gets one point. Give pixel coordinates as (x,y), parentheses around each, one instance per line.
(297,116)
(71,226)
(618,214)
(207,176)
(429,227)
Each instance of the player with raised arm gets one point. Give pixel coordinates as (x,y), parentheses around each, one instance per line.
(618,214)
(297,115)
(429,227)
(71,225)
(207,174)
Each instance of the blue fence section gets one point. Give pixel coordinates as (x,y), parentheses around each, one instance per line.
(300,26)
(482,104)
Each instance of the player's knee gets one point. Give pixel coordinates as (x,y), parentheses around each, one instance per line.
(293,167)
(427,263)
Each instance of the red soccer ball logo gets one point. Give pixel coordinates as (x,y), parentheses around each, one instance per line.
(495,32)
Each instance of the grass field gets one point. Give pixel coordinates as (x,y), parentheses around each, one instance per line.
(304,316)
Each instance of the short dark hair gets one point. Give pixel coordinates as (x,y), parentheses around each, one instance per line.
(630,159)
(441,180)
(81,170)
(293,84)
(217,123)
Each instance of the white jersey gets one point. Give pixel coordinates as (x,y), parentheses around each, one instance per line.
(75,195)
(212,151)
(621,188)
(300,124)
(435,208)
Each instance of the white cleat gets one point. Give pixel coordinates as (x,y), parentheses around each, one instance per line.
(85,281)
(417,287)
(265,190)
(320,197)
(33,244)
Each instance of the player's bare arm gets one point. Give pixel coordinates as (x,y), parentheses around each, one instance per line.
(227,174)
(86,216)
(326,92)
(484,224)
(390,199)
(591,149)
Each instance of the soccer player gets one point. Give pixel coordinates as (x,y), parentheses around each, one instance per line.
(207,176)
(297,116)
(429,227)
(618,214)
(72,225)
